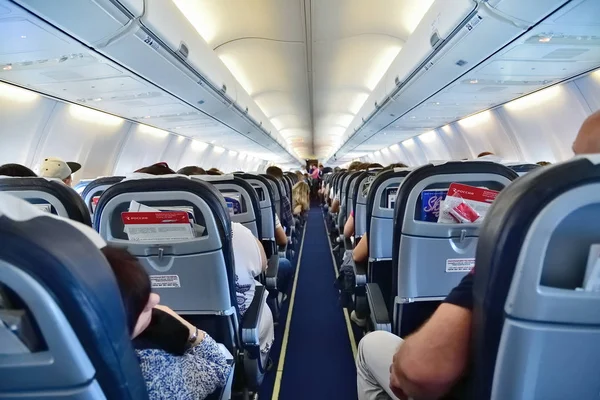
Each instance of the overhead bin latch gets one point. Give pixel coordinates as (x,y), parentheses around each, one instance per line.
(463,235)
(183,50)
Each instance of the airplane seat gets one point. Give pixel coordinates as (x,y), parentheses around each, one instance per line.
(379,231)
(358,203)
(522,169)
(50,195)
(532,255)
(278,197)
(94,189)
(195,277)
(64,332)
(423,252)
(242,196)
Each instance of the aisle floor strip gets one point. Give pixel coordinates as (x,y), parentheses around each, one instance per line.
(346,315)
(279,375)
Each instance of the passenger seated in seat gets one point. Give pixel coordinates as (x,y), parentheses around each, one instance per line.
(286,209)
(53,167)
(178,360)
(251,261)
(17,171)
(335,204)
(214,171)
(300,198)
(429,363)
(161,168)
(285,269)
(191,170)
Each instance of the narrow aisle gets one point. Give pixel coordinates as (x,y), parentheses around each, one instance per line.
(318,363)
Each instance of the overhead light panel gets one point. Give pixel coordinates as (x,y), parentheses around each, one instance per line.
(474,120)
(535,99)
(200,19)
(152,131)
(357,102)
(218,149)
(237,71)
(17,94)
(198,146)
(428,137)
(93,116)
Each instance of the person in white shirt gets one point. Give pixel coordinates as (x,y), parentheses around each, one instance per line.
(251,261)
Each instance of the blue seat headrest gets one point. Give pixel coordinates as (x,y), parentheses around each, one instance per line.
(500,244)
(73,203)
(76,274)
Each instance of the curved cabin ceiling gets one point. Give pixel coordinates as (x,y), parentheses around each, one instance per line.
(309,65)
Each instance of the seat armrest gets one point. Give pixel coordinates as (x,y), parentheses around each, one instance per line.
(348,243)
(282,250)
(252,316)
(360,272)
(271,272)
(379,312)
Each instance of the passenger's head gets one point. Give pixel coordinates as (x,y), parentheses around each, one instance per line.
(16,170)
(161,168)
(588,138)
(54,167)
(275,172)
(543,163)
(397,165)
(354,166)
(485,153)
(373,166)
(134,285)
(320,166)
(192,170)
(214,172)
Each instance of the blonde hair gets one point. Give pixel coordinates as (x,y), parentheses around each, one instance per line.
(300,193)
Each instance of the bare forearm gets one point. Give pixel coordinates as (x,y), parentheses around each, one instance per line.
(430,362)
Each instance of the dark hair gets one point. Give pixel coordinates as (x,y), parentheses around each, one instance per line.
(397,165)
(214,171)
(16,170)
(161,168)
(543,163)
(275,172)
(191,170)
(374,165)
(485,153)
(133,281)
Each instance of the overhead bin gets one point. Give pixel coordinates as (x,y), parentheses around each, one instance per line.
(446,45)
(103,18)
(528,11)
(153,39)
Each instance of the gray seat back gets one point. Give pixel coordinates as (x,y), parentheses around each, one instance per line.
(236,189)
(95,188)
(425,253)
(195,276)
(63,331)
(50,195)
(535,332)
(360,203)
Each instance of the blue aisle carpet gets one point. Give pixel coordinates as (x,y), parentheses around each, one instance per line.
(319,363)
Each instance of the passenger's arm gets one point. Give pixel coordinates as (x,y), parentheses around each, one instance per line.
(431,361)
(349,227)
(263,256)
(280,236)
(335,206)
(192,328)
(360,253)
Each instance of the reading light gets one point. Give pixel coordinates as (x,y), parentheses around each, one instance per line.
(534,99)
(17,94)
(93,116)
(544,39)
(474,81)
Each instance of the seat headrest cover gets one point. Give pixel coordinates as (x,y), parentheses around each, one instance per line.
(139,175)
(212,178)
(59,254)
(20,210)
